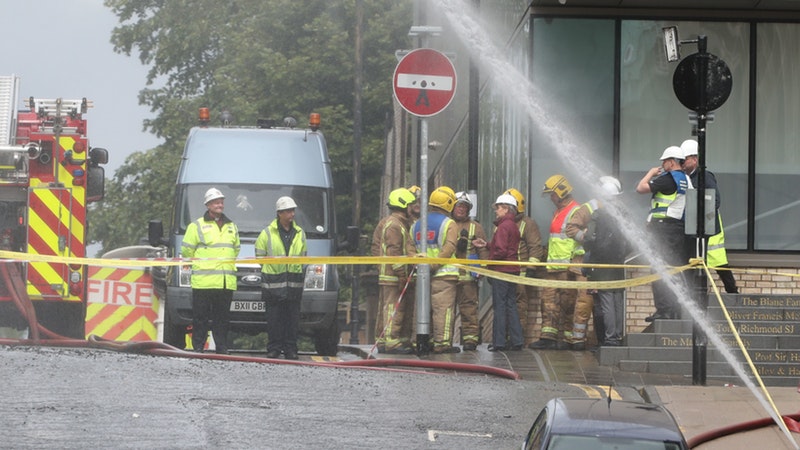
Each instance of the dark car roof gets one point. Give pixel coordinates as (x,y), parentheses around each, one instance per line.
(598,417)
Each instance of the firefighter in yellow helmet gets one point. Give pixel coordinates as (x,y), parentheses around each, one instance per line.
(531,250)
(577,226)
(392,238)
(558,304)
(214,241)
(441,238)
(467,288)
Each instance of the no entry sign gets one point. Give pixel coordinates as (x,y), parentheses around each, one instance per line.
(424,82)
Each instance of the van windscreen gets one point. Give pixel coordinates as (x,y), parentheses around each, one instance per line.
(252,207)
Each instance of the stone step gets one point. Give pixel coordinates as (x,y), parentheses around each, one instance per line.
(609,356)
(674,367)
(748,313)
(672,326)
(761,342)
(768,381)
(758,300)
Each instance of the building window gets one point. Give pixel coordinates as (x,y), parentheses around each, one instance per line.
(573,70)
(652,118)
(777,202)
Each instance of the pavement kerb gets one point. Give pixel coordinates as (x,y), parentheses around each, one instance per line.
(650,394)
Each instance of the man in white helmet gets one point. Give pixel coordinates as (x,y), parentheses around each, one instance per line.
(282,284)
(467,288)
(214,240)
(605,243)
(716,256)
(667,184)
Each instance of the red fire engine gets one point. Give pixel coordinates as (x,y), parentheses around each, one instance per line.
(48,176)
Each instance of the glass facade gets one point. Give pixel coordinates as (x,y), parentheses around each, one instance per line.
(777,138)
(573,71)
(604,103)
(652,118)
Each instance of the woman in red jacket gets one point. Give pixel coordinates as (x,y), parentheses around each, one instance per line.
(504,247)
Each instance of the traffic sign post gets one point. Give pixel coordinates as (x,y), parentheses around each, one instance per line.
(702,82)
(424,84)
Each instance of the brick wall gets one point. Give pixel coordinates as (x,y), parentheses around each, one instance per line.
(639,299)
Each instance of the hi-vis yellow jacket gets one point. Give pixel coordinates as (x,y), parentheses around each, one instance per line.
(205,239)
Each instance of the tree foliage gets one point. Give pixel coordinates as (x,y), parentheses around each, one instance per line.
(256,59)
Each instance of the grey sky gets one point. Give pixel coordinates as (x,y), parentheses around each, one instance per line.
(61,48)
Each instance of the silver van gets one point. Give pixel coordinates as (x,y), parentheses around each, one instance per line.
(253,167)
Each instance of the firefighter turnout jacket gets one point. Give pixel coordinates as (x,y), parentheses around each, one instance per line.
(392,237)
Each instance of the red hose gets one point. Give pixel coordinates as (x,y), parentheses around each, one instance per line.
(13,278)
(23,303)
(790,420)
(25,308)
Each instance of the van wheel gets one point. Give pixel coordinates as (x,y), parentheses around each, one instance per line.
(327,341)
(174,335)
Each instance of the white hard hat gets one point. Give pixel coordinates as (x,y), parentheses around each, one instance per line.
(212,194)
(689,147)
(610,185)
(506,199)
(672,152)
(285,203)
(463,197)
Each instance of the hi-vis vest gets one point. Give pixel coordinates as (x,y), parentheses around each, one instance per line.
(205,239)
(560,248)
(438,224)
(281,279)
(673,205)
(715,253)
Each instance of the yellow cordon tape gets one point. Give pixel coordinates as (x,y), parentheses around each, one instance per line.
(471,265)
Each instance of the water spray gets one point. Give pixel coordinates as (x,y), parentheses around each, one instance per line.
(462,17)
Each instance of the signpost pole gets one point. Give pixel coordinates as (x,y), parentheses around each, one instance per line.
(424,84)
(699,338)
(423,300)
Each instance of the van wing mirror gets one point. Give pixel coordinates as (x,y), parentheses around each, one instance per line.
(352,239)
(155,233)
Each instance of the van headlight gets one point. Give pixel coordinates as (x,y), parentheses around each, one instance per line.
(315,277)
(185,276)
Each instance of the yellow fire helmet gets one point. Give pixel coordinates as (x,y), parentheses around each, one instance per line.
(401,198)
(557,184)
(519,197)
(443,197)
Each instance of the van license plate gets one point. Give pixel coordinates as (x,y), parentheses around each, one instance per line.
(245,306)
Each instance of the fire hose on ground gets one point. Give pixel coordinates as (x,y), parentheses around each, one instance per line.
(9,273)
(790,420)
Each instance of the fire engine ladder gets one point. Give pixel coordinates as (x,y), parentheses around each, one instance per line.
(9,90)
(9,153)
(55,109)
